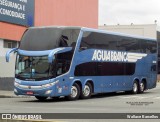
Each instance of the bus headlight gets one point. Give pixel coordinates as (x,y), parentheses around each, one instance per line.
(15,90)
(16,84)
(48,92)
(48,85)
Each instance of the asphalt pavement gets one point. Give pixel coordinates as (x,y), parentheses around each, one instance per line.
(148,102)
(10,94)
(7,94)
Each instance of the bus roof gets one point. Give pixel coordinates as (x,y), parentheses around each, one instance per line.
(117,33)
(96,30)
(62,27)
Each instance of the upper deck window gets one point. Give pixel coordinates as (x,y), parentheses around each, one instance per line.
(39,39)
(93,40)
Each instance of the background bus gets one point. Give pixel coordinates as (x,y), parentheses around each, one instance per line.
(77,62)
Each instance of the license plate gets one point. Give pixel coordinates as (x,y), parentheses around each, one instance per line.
(30,93)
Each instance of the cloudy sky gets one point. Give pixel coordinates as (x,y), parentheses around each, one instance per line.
(122,12)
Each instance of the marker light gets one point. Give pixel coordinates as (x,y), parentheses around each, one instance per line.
(15,90)
(16,84)
(48,91)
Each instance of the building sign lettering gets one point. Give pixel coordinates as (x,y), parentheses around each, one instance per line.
(17,11)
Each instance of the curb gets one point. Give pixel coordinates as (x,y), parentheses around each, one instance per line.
(13,96)
(6,96)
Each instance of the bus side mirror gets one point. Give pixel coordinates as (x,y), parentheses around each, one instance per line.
(9,52)
(56,51)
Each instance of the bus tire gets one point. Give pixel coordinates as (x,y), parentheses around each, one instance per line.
(40,98)
(75,92)
(87,91)
(135,87)
(142,87)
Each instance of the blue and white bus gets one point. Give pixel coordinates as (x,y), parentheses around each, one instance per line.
(78,62)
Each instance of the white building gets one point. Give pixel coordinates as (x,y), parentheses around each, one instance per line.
(7,69)
(146,30)
(149,30)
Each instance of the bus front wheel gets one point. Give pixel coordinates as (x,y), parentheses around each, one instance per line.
(40,98)
(75,92)
(87,91)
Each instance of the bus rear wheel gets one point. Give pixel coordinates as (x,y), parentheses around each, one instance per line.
(135,87)
(87,91)
(75,92)
(141,87)
(40,98)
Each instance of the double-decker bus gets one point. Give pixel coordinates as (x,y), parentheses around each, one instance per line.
(77,62)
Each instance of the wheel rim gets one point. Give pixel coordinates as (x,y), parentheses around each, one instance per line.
(74,92)
(142,86)
(86,90)
(135,87)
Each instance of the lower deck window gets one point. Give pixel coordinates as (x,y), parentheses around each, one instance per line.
(104,69)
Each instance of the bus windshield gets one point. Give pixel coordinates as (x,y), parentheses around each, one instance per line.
(32,68)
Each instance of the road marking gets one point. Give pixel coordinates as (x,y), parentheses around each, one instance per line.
(67,108)
(139,97)
(129,97)
(156,98)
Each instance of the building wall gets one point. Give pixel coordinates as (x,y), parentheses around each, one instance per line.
(66,12)
(140,30)
(11,31)
(2,49)
(6,69)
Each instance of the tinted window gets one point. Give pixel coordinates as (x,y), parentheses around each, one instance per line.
(104,69)
(115,68)
(93,40)
(98,40)
(86,69)
(128,44)
(158,39)
(37,39)
(62,63)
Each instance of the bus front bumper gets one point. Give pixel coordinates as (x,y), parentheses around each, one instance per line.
(35,91)
(41,92)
